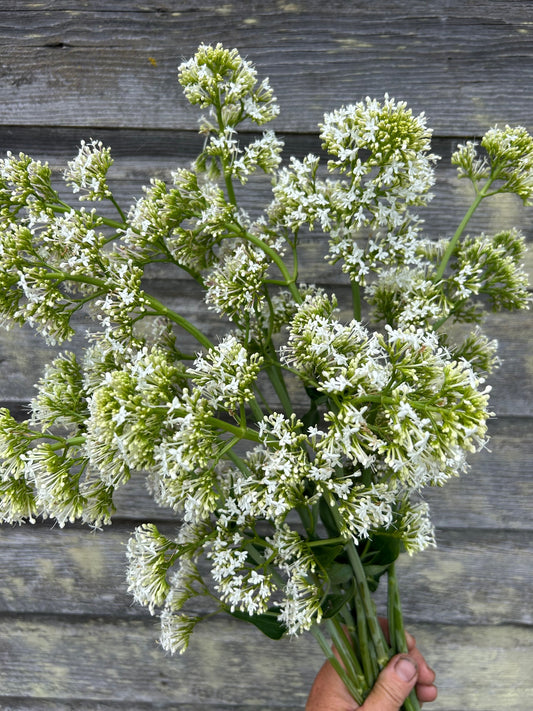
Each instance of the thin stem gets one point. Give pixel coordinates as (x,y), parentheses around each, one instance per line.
(257,412)
(394,613)
(396,629)
(240,432)
(71,442)
(325,542)
(118,208)
(347,654)
(473,207)
(277,380)
(368,654)
(173,316)
(369,608)
(335,663)
(290,281)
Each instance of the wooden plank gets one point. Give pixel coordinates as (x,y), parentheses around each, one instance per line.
(23,353)
(140,155)
(495,494)
(473,577)
(480,669)
(17,704)
(463,63)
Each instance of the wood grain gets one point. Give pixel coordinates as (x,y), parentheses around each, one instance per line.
(23,353)
(479,668)
(70,637)
(100,65)
(73,572)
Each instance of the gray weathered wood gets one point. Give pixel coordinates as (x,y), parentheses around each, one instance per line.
(140,155)
(479,668)
(73,572)
(101,65)
(70,638)
(23,353)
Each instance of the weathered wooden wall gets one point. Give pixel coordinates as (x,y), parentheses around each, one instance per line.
(69,635)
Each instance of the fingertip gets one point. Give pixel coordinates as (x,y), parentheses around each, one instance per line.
(405,668)
(426,693)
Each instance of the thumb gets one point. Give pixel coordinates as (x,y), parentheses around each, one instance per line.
(393,685)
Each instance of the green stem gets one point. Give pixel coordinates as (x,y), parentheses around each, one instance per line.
(158,307)
(278,382)
(229,187)
(289,281)
(396,629)
(394,613)
(368,655)
(325,542)
(257,412)
(335,663)
(473,207)
(119,209)
(71,442)
(368,605)
(239,432)
(173,316)
(346,652)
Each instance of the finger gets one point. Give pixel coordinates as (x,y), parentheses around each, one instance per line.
(393,686)
(328,693)
(426,675)
(426,693)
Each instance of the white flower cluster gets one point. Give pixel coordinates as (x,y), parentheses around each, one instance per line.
(509,160)
(25,183)
(235,284)
(295,451)
(383,150)
(226,374)
(87,173)
(221,79)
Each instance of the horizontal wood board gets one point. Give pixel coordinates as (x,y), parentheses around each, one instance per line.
(116,66)
(119,662)
(70,637)
(73,572)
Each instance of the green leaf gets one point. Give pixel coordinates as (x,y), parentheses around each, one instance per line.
(373,575)
(267,622)
(336,601)
(340,573)
(384,549)
(325,555)
(382,552)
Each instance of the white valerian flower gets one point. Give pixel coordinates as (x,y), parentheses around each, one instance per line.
(87,173)
(235,285)
(226,374)
(285,519)
(264,153)
(300,607)
(176,630)
(150,556)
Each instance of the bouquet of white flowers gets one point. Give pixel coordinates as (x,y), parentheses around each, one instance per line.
(295,449)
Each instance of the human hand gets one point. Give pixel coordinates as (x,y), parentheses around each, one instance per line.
(403,673)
